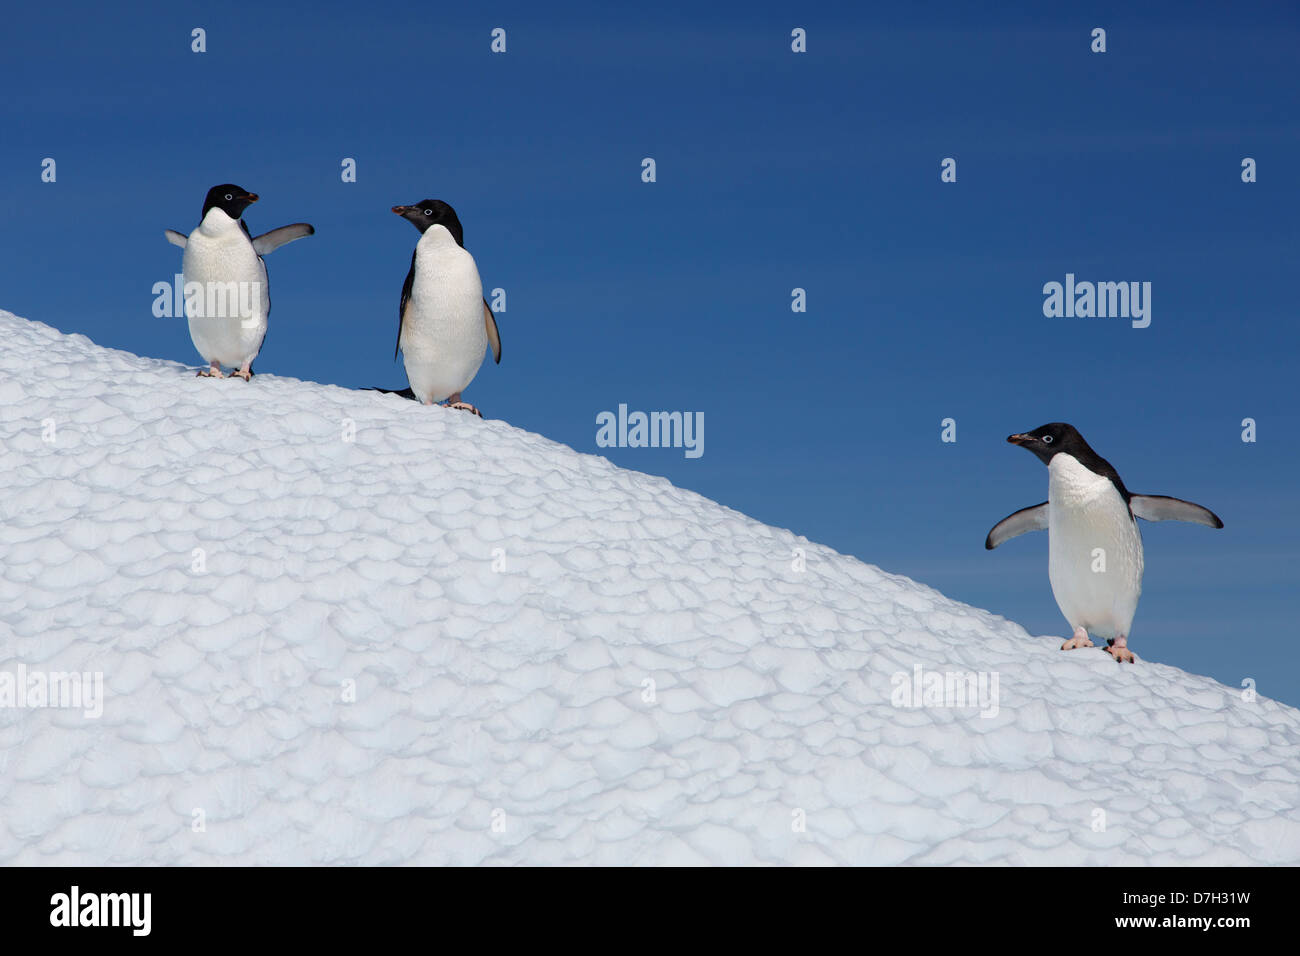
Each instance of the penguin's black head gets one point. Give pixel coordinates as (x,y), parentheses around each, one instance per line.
(1048,440)
(230,199)
(433,212)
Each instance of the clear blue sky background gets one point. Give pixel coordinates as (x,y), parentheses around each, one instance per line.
(775,170)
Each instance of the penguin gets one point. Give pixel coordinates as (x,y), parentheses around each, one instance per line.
(228,313)
(1093,542)
(444,323)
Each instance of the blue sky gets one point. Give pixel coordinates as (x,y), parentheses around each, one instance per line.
(775,170)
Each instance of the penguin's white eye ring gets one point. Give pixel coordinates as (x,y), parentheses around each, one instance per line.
(428,212)
(229,197)
(1047,439)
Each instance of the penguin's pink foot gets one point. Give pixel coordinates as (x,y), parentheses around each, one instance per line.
(245,373)
(212,372)
(1080,639)
(454,401)
(1118,649)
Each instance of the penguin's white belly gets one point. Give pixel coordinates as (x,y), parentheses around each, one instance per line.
(228,311)
(443,336)
(1094,550)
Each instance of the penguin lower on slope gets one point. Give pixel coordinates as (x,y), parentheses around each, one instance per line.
(445,324)
(232,297)
(1093,542)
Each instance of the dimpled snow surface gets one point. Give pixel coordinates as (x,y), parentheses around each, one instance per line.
(338,627)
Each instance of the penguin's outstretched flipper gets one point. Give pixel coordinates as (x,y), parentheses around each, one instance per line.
(268,242)
(1014,525)
(1164,508)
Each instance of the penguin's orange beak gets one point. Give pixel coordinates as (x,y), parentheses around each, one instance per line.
(251,197)
(400,210)
(1020,439)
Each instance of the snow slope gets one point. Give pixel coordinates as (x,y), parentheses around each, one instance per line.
(507,714)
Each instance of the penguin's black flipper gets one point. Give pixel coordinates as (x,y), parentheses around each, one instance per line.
(1013,525)
(403,392)
(494,336)
(407,286)
(1164,508)
(268,242)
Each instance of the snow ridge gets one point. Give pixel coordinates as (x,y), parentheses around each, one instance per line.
(337,627)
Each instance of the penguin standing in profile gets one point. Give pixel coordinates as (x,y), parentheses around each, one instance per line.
(445,323)
(231,300)
(1093,542)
